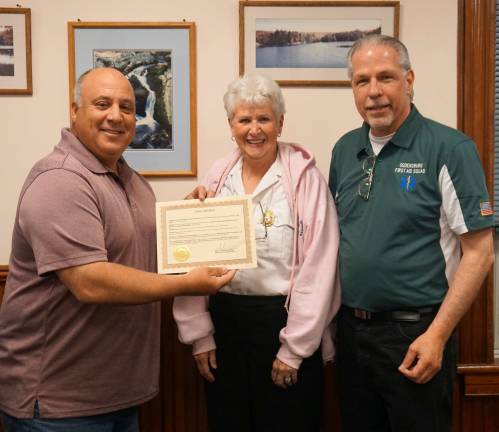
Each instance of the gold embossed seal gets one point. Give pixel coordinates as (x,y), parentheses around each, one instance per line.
(181,253)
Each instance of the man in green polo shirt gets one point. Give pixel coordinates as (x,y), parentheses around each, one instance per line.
(410,194)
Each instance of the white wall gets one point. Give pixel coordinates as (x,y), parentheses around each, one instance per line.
(317,117)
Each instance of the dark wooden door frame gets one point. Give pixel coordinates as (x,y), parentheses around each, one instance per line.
(476,46)
(476,406)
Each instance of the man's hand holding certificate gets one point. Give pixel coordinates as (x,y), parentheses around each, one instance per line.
(215,232)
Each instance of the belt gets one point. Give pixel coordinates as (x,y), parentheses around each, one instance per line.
(407,315)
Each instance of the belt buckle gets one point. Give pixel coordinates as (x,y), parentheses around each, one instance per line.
(406,316)
(362,314)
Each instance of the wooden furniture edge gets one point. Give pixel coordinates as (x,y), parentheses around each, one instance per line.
(478,368)
(480,379)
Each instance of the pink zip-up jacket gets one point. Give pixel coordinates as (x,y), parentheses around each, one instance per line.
(314,294)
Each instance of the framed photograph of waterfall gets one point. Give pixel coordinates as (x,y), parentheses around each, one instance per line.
(15,51)
(305,43)
(159,61)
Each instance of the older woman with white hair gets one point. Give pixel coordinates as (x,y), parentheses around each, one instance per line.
(258,342)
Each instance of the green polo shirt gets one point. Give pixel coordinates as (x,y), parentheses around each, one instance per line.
(400,248)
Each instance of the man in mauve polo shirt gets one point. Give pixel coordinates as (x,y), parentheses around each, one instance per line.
(410,194)
(80,320)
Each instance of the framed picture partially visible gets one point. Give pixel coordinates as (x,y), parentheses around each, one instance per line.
(15,51)
(159,61)
(305,43)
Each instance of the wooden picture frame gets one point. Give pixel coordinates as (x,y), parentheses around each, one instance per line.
(15,51)
(304,43)
(159,58)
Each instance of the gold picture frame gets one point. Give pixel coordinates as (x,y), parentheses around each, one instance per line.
(304,43)
(165,144)
(15,51)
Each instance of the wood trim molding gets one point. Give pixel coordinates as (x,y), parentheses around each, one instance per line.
(480,379)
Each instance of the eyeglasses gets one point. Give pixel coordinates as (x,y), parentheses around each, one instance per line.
(366,183)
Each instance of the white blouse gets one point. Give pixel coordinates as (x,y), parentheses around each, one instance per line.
(274,245)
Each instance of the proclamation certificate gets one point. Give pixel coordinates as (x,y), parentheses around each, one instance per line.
(215,232)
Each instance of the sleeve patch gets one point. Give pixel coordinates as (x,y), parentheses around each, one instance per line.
(486,208)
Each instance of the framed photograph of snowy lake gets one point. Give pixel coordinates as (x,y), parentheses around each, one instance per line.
(305,43)
(159,61)
(15,51)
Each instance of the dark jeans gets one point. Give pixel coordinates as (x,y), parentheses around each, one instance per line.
(374,395)
(125,420)
(243,397)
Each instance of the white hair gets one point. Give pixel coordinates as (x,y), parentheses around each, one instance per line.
(254,89)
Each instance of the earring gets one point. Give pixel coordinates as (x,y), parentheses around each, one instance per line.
(278,135)
(233,138)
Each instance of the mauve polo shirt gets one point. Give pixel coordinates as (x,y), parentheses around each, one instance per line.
(77,359)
